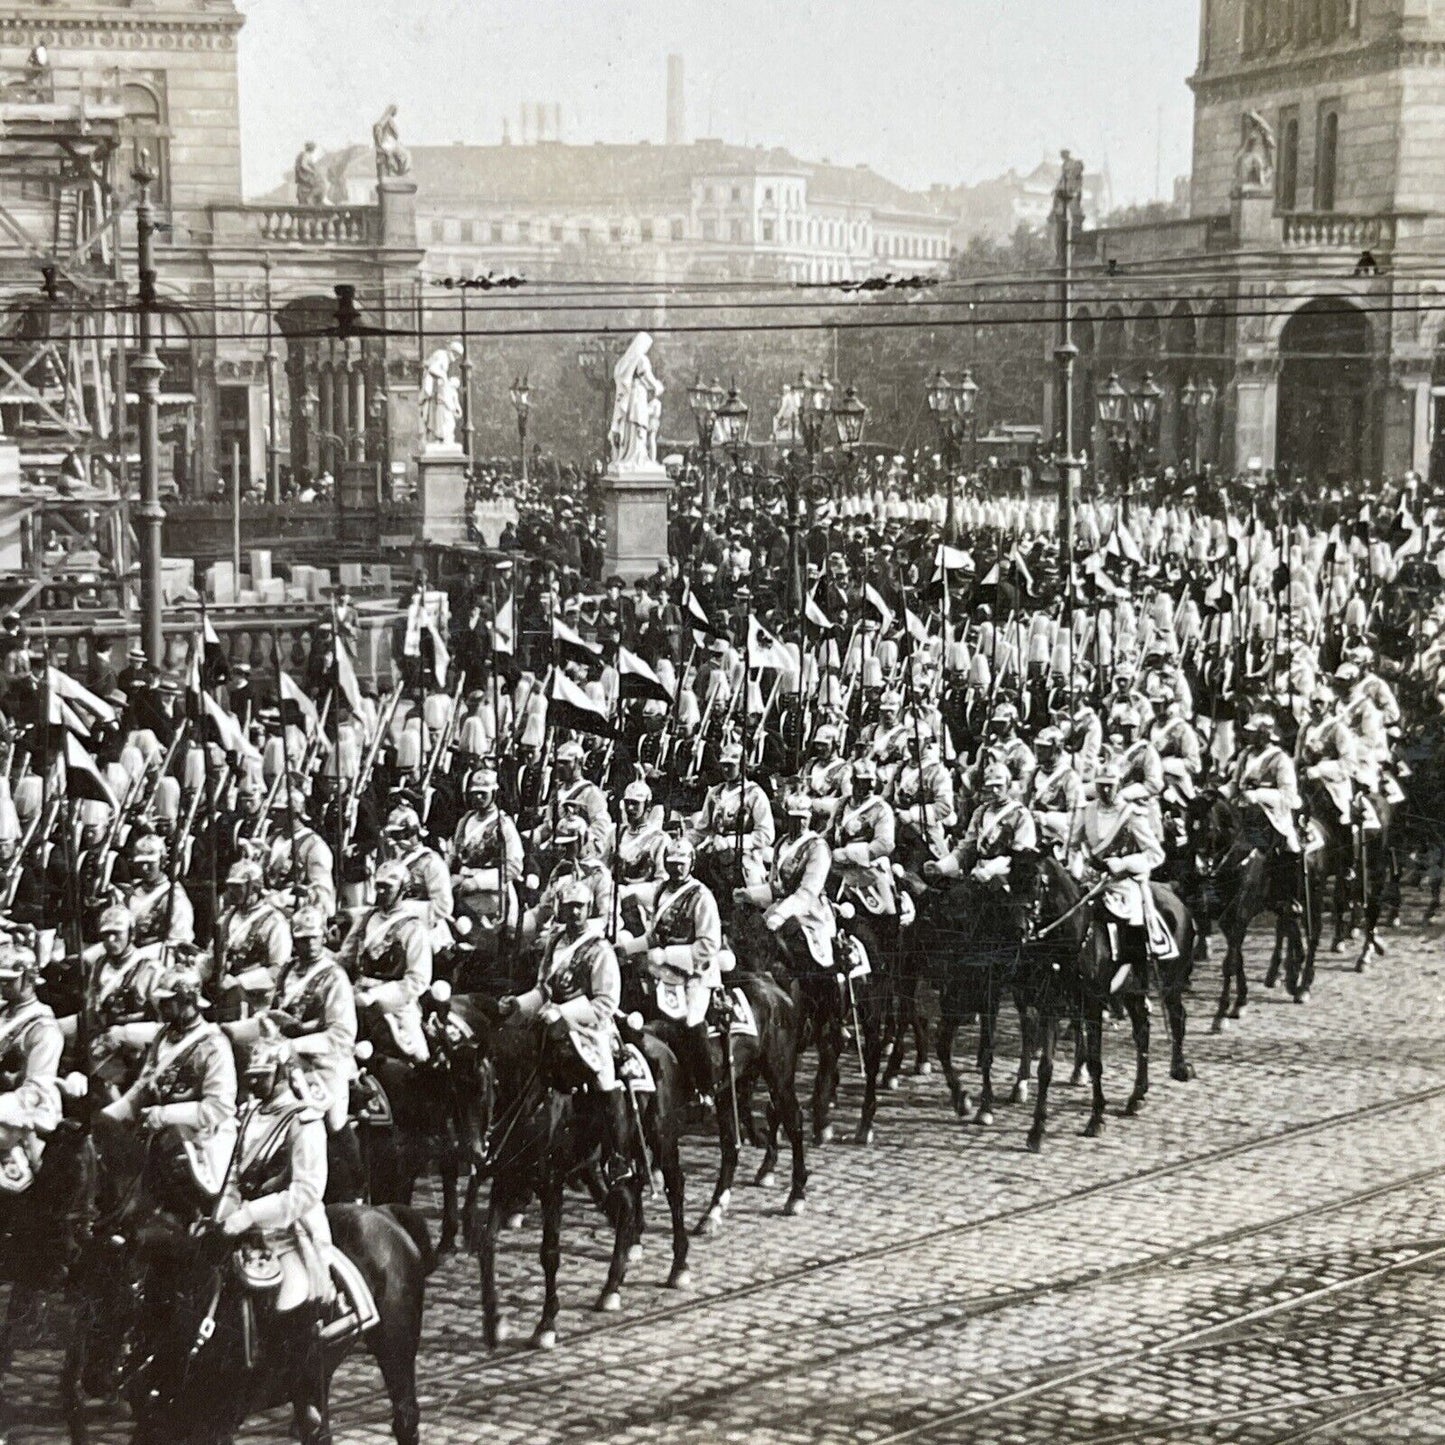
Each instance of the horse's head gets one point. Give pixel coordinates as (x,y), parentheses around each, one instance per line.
(1212,825)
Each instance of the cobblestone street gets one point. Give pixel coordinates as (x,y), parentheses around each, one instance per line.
(1258,1258)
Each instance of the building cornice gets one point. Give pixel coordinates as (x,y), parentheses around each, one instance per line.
(126,30)
(1295,69)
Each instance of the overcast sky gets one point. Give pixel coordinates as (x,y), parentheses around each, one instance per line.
(923,90)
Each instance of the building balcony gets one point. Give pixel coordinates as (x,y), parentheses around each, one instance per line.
(307,227)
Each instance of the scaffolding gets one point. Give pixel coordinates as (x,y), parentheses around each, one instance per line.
(63,136)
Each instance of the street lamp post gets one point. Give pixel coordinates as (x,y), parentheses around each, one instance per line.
(1112,403)
(1204,422)
(1145,405)
(1068,213)
(521,395)
(1189,414)
(273,471)
(149,370)
(816,409)
(705,399)
(594,356)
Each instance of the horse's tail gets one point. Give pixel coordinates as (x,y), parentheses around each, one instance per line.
(415,1227)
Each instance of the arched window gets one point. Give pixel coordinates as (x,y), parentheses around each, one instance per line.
(1289,164)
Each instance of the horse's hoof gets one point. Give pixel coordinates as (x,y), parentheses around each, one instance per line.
(1237,1012)
(1338,946)
(1393,921)
(634,1253)
(984,1116)
(795,1206)
(893,1085)
(1431,914)
(724,1201)
(610,1303)
(767,1179)
(922,1068)
(710,1224)
(1134,1107)
(1378,944)
(680,1279)
(825,1134)
(659,1184)
(544,1339)
(1355,935)
(1303,996)
(1220,1024)
(1271,980)
(1094,1127)
(1035,1141)
(864,1136)
(1360,964)
(1182,1073)
(447,1244)
(513,1223)
(503,1331)
(1076,1078)
(1020,1094)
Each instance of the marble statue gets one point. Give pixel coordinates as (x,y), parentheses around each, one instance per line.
(310,188)
(633,432)
(392,158)
(785,419)
(1254,161)
(441,406)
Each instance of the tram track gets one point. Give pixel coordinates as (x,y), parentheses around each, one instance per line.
(962,1309)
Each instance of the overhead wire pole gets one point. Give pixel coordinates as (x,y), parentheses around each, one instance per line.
(149,370)
(1067,197)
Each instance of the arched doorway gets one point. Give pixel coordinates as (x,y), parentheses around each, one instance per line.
(1325,417)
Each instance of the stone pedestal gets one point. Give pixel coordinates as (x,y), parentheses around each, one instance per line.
(635,503)
(1252,217)
(442,493)
(396,196)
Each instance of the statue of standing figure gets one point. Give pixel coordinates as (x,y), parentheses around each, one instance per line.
(441,404)
(392,158)
(637,411)
(785,419)
(310,189)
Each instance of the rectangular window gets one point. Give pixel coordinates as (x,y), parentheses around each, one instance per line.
(645,231)
(677,230)
(767,231)
(1327,154)
(709,230)
(584,235)
(556,231)
(737,193)
(496,233)
(524,231)
(735,230)
(768,195)
(614,233)
(469,233)
(1288,171)
(438,230)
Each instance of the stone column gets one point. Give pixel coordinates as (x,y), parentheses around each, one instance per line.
(325,417)
(1406,438)
(356,437)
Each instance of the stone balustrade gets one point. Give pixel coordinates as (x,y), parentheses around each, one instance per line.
(321,226)
(1337,230)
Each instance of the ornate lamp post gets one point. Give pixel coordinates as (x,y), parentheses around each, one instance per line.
(1112,404)
(940,403)
(1189,415)
(1145,404)
(594,356)
(521,394)
(148,370)
(705,399)
(1205,414)
(965,404)
(732,426)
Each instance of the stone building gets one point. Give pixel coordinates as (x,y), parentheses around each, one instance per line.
(160,77)
(1295,317)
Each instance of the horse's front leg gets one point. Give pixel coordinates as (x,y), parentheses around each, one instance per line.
(1048,1034)
(451,1215)
(987,1026)
(1094,1057)
(545,1335)
(948,1021)
(1137,1006)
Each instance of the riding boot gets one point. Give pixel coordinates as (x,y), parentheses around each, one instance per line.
(697,1065)
(349,1177)
(616,1168)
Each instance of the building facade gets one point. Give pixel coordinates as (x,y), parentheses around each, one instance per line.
(1294,319)
(158,78)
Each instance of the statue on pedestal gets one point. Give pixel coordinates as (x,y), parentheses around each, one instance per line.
(637,411)
(441,405)
(1254,161)
(392,158)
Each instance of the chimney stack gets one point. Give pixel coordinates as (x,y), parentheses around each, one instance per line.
(522,124)
(676,121)
(557,120)
(542,110)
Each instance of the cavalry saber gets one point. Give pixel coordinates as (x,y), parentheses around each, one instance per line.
(1069,912)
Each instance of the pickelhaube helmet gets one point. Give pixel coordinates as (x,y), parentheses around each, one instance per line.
(392,873)
(244,871)
(573,892)
(308,922)
(637,791)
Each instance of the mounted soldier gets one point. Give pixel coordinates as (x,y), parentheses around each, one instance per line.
(681,953)
(576,996)
(186,1093)
(1000,830)
(863,837)
(255,940)
(486,856)
(1057,791)
(795,895)
(388,955)
(30,1049)
(160,910)
(641,840)
(715,830)
(1114,837)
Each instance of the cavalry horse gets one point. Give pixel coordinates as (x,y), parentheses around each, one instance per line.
(166,1323)
(1364,864)
(828,1001)
(544,1129)
(968,939)
(1231,874)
